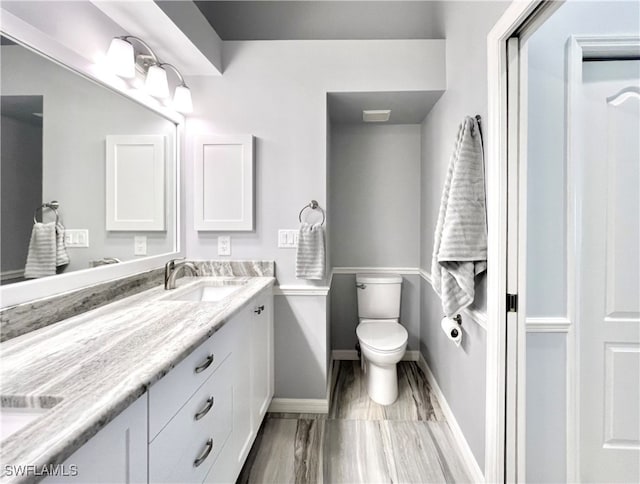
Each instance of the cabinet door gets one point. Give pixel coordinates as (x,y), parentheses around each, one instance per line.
(118,453)
(262,358)
(242,426)
(224,183)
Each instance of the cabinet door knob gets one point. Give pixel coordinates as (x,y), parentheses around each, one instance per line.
(259,309)
(205,453)
(206,364)
(205,409)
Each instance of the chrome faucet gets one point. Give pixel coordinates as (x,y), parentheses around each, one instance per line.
(171,270)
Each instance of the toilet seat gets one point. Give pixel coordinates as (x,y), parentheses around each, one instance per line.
(382,335)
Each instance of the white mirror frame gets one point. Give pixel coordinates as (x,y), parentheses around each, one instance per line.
(20,292)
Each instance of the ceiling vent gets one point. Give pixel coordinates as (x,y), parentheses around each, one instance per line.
(376,115)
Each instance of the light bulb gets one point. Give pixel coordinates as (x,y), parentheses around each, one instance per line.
(182,99)
(156,82)
(120,57)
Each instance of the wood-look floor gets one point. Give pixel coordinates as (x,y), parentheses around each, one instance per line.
(359,441)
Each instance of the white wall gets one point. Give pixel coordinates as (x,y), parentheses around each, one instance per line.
(546,274)
(78,115)
(460,372)
(276,91)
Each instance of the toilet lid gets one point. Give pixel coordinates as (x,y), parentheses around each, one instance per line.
(382,335)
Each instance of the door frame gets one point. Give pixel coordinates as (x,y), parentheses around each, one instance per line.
(580,48)
(505,417)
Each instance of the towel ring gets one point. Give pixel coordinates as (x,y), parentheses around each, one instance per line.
(313,205)
(53,205)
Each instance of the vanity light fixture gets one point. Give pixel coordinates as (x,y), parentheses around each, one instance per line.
(123,61)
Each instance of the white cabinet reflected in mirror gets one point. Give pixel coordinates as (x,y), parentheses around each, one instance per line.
(58,130)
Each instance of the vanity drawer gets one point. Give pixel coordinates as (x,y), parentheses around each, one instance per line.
(168,395)
(199,430)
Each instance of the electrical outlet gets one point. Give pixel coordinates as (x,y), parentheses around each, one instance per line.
(287,239)
(76,237)
(140,245)
(224,245)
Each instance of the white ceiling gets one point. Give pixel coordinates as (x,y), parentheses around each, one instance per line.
(318,20)
(407,107)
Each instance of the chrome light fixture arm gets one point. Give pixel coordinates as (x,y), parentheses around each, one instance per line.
(128,38)
(174,69)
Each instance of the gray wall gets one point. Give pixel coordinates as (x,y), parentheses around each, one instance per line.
(277,91)
(21,177)
(300,347)
(460,372)
(546,401)
(375,208)
(546,284)
(78,115)
(375,195)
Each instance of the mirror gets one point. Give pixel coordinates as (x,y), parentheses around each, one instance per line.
(88,176)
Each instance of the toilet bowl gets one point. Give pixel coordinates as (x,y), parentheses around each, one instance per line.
(383,340)
(383,344)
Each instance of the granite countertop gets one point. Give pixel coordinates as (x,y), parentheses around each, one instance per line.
(89,368)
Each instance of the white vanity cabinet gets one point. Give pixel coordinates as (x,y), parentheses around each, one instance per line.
(198,422)
(117,453)
(240,380)
(253,388)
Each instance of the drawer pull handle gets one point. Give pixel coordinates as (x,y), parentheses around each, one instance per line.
(205,453)
(205,365)
(259,309)
(206,409)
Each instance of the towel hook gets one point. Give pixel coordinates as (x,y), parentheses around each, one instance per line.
(53,205)
(313,205)
(457,318)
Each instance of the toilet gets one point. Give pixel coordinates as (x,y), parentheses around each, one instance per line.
(383,340)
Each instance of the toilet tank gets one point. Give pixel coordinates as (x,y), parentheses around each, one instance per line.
(378,295)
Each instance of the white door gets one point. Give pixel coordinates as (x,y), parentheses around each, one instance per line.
(608,259)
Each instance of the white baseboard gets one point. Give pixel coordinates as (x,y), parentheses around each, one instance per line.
(463,446)
(299,405)
(410,355)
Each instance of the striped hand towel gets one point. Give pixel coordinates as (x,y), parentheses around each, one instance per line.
(460,240)
(311,252)
(41,258)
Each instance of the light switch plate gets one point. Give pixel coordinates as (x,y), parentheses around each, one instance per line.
(76,237)
(287,239)
(140,245)
(224,245)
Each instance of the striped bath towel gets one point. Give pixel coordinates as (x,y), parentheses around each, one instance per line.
(310,262)
(460,240)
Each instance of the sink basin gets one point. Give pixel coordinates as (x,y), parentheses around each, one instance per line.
(14,419)
(205,293)
(16,413)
